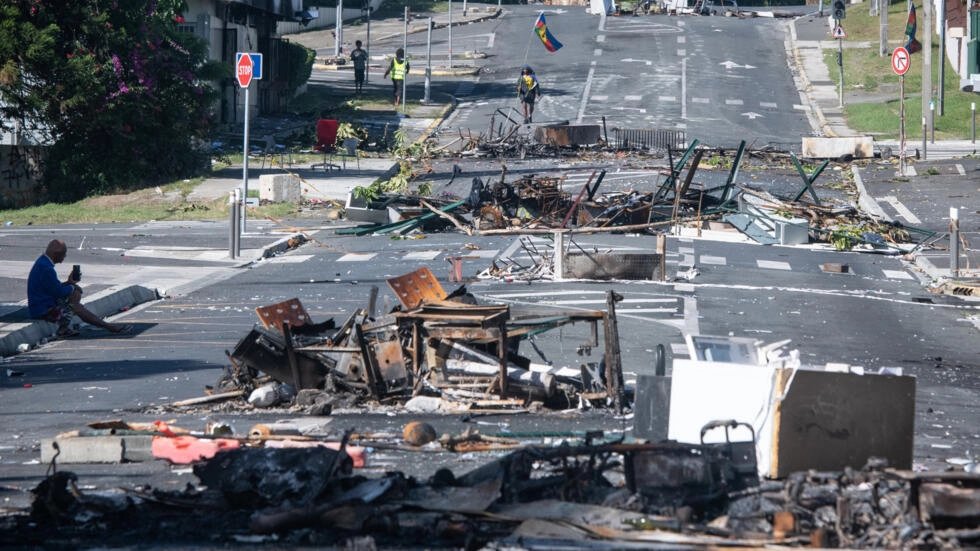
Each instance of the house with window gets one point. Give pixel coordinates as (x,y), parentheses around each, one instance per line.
(230,26)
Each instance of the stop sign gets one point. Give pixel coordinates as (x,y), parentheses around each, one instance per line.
(243,70)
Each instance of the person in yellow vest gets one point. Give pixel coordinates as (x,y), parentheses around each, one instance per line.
(528,90)
(399,70)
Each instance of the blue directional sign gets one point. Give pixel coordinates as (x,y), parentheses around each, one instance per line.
(256,63)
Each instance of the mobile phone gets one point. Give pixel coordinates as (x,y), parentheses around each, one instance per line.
(76,273)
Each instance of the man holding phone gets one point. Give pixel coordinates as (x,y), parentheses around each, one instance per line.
(55,301)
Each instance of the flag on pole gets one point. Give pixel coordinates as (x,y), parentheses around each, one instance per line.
(911,44)
(541,29)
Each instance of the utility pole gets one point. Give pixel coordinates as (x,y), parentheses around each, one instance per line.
(942,57)
(367,49)
(405,49)
(927,63)
(450,35)
(838,8)
(883,29)
(338,28)
(428,61)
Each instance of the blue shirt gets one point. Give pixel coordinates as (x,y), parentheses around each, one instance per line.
(43,287)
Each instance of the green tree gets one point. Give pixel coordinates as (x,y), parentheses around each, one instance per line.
(117,92)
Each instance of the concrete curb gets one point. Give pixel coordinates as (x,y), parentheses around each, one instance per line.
(865,201)
(113,300)
(103,304)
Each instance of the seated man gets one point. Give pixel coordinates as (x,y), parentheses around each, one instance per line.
(51,300)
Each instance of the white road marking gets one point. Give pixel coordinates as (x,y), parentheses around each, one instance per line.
(422,255)
(294,259)
(716,260)
(357,257)
(902,210)
(960,169)
(897,274)
(700,100)
(684,88)
(667,98)
(600,98)
(597,52)
(799,107)
(681,39)
(585,94)
(773,264)
(768,104)
(632,98)
(685,250)
(679,349)
(488,253)
(681,53)
(600,38)
(733,102)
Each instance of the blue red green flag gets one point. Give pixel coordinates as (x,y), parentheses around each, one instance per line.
(541,29)
(911,44)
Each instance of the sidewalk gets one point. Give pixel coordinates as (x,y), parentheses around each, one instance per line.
(387,29)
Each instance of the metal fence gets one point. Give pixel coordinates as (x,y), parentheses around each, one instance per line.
(636,138)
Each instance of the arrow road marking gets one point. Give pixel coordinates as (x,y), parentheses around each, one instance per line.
(729,64)
(752,116)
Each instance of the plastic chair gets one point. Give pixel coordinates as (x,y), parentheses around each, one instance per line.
(326,142)
(348,148)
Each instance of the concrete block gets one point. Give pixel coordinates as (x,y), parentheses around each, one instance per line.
(793,231)
(859,147)
(98,449)
(279,188)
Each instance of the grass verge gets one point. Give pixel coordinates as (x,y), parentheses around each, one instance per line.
(139,206)
(869,75)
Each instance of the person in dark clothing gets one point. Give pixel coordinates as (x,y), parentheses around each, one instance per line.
(52,300)
(359,58)
(528,90)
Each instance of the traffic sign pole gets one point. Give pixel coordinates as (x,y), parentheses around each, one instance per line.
(901,62)
(245,71)
(245,166)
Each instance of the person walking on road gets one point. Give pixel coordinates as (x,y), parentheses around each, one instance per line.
(528,90)
(398,68)
(359,58)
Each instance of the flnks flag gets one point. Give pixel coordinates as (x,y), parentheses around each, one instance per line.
(541,29)
(911,44)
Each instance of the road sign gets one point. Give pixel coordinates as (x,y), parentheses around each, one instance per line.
(256,66)
(839,32)
(901,61)
(243,70)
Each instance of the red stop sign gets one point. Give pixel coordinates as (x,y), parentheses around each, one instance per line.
(243,70)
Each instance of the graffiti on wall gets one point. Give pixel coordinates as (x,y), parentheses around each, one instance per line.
(20,175)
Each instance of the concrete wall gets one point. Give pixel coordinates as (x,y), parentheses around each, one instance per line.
(20,174)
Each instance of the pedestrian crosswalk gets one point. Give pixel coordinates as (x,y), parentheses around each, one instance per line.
(531,249)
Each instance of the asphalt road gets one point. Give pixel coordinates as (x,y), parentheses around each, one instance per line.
(649,72)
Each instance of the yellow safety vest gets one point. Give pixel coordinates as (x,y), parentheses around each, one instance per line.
(398,70)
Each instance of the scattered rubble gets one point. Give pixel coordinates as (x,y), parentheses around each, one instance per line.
(595,493)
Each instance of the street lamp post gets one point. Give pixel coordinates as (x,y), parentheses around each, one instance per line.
(366,14)
(450,35)
(428,61)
